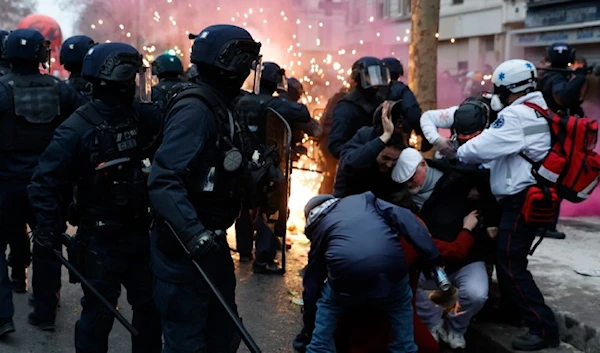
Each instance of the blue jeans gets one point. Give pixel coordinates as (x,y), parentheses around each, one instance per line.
(397,305)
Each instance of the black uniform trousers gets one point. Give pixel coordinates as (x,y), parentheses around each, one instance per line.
(15,213)
(516,283)
(193,319)
(112,259)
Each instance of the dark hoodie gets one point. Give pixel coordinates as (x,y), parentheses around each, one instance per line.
(355,246)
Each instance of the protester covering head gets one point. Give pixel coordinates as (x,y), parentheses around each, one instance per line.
(407,165)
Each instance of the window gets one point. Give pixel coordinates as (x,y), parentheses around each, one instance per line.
(463,66)
(457,2)
(489,43)
(405,7)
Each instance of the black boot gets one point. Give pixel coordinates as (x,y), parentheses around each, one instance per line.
(554,234)
(6,326)
(531,342)
(269,267)
(34,320)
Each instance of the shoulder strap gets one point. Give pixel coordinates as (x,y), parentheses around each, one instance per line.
(544,112)
(90,115)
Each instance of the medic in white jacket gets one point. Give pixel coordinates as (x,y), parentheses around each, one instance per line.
(517,130)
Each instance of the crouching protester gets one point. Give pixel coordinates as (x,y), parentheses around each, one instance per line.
(449,202)
(355,247)
(518,136)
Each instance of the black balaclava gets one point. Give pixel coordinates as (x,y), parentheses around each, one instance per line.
(114,93)
(227,83)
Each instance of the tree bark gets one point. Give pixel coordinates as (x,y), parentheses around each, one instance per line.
(422,54)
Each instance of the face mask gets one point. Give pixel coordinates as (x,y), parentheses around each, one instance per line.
(496,104)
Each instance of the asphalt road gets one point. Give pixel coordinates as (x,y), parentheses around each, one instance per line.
(264,302)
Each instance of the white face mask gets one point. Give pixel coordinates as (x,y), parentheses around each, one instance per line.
(496,104)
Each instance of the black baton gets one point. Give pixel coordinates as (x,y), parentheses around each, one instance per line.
(110,307)
(252,346)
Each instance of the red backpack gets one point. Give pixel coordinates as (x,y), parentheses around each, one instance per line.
(571,165)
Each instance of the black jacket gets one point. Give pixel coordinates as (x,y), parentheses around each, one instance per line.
(449,203)
(358,171)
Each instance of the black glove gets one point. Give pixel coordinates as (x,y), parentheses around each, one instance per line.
(46,239)
(203,244)
(301,341)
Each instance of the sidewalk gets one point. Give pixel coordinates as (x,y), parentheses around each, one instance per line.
(574,298)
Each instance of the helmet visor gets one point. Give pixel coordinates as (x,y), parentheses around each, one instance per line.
(374,76)
(283,84)
(144,84)
(238,56)
(252,83)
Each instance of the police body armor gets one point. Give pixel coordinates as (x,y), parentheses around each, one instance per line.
(81,85)
(111,189)
(357,99)
(217,177)
(29,127)
(5,69)
(251,112)
(550,78)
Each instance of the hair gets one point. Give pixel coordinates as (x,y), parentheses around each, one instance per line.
(397,141)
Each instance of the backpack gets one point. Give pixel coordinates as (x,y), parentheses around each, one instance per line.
(571,166)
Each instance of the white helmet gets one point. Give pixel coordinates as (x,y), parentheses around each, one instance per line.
(515,75)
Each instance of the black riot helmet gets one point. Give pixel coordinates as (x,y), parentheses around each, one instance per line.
(272,78)
(472,117)
(395,67)
(559,55)
(113,69)
(167,65)
(73,51)
(225,56)
(295,89)
(27,46)
(370,72)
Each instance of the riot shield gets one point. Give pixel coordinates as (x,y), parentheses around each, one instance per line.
(279,135)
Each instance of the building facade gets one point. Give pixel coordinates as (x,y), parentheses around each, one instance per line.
(472,33)
(576,22)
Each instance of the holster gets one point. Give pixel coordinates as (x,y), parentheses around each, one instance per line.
(76,254)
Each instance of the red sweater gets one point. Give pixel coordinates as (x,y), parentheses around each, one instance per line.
(355,336)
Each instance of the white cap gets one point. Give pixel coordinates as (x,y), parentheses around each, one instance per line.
(407,165)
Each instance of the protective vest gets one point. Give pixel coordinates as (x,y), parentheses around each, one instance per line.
(357,99)
(547,83)
(36,113)
(217,177)
(251,112)
(81,85)
(112,184)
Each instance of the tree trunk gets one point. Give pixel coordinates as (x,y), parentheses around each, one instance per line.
(422,54)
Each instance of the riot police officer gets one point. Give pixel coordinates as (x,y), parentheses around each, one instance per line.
(168,69)
(4,64)
(295,90)
(72,52)
(32,105)
(196,188)
(401,92)
(356,109)
(100,149)
(253,110)
(560,86)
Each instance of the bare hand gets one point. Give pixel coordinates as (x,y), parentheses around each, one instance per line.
(386,121)
(492,232)
(470,221)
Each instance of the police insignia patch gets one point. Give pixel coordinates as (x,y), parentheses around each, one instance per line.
(498,123)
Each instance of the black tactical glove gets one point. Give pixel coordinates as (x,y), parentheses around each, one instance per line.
(203,244)
(46,239)
(301,341)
